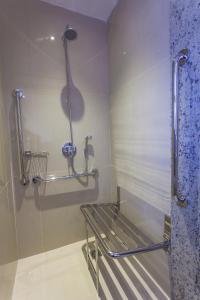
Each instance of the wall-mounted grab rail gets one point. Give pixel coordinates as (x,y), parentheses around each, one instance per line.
(19,95)
(180,60)
(23,155)
(51,178)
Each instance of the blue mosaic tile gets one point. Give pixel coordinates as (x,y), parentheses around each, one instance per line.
(185,256)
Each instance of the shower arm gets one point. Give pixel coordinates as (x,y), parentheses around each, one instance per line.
(179,61)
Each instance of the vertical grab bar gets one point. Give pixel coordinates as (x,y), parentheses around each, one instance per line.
(19,94)
(180,60)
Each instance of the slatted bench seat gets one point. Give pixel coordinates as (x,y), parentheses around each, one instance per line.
(115,235)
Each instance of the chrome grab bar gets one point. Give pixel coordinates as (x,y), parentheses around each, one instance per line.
(51,178)
(24,155)
(180,60)
(19,95)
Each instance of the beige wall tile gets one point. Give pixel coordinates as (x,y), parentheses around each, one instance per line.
(8,246)
(141,100)
(48,217)
(141,120)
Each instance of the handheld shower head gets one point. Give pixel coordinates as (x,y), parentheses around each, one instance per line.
(70,34)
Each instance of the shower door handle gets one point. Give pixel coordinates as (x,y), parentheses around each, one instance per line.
(178,62)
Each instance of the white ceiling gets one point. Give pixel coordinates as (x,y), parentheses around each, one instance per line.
(99,9)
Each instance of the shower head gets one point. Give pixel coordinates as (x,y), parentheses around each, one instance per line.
(70,34)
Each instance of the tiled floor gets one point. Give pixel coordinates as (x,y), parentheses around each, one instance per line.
(60,274)
(128,279)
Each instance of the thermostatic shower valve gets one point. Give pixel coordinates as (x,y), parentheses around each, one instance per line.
(69,150)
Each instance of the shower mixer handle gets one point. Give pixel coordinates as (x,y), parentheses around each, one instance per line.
(69,150)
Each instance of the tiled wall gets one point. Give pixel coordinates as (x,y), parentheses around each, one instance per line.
(8,247)
(141,119)
(49,216)
(141,100)
(185,24)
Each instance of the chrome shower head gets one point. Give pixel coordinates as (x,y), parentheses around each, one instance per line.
(70,34)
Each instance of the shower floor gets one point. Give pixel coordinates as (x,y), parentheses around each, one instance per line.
(59,274)
(62,274)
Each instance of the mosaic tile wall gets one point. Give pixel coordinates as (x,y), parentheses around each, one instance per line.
(185,33)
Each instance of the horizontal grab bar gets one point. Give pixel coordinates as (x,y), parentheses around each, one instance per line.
(39,179)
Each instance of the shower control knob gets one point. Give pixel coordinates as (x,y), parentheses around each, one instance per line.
(69,150)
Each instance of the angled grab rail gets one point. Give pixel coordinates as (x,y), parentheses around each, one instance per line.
(180,60)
